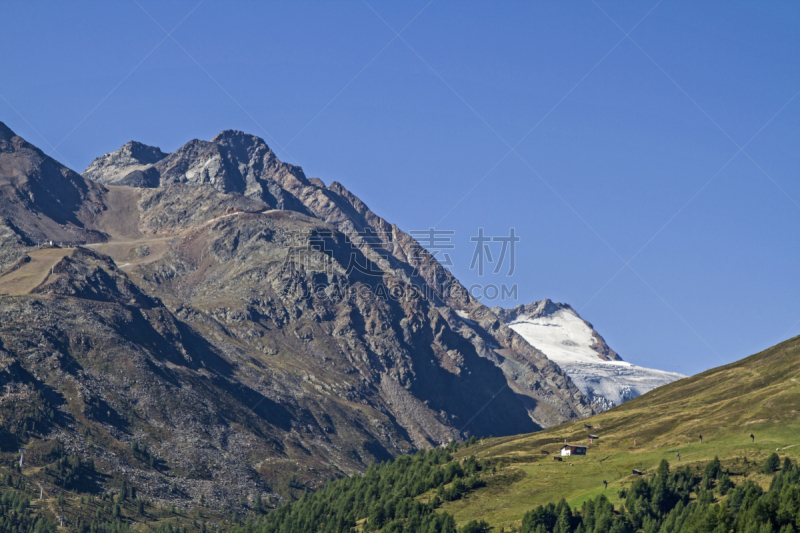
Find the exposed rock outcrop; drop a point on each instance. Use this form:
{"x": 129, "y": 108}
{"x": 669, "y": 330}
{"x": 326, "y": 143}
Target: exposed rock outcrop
{"x": 121, "y": 166}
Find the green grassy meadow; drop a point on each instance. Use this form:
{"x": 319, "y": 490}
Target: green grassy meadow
{"x": 759, "y": 395}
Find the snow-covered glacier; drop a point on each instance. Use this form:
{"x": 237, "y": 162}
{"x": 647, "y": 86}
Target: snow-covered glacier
{"x": 572, "y": 343}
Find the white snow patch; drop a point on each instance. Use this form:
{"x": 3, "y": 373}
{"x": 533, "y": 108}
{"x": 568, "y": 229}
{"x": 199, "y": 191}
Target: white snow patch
{"x": 566, "y": 340}
{"x": 562, "y": 336}
{"x": 463, "y": 316}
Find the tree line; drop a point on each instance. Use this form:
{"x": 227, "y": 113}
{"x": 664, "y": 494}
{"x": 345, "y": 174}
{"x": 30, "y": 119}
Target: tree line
{"x": 386, "y": 498}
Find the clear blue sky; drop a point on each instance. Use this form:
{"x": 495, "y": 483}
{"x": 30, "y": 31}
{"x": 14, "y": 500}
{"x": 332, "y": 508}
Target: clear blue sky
{"x": 620, "y": 144}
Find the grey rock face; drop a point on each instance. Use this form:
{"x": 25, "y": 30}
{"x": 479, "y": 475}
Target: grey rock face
{"x": 232, "y": 161}
{"x": 112, "y": 168}
{"x": 551, "y": 397}
{"x": 146, "y": 178}
{"x": 42, "y": 199}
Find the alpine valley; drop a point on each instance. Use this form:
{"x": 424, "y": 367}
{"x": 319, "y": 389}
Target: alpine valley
{"x": 211, "y": 328}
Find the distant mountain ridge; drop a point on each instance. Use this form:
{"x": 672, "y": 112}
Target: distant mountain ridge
{"x": 571, "y": 342}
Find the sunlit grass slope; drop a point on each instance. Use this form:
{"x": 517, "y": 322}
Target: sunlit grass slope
{"x": 759, "y": 395}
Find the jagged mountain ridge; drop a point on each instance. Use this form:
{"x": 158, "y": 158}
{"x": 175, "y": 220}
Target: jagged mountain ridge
{"x": 232, "y": 161}
{"x": 572, "y": 343}
{"x": 186, "y": 323}
{"x": 237, "y": 162}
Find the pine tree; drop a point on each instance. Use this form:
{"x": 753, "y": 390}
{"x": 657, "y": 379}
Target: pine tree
{"x": 771, "y": 464}
{"x": 563, "y": 525}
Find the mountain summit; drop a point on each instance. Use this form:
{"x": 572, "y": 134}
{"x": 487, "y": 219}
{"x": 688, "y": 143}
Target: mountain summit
{"x": 572, "y": 343}
{"x": 232, "y": 162}
{"x": 42, "y": 200}
{"x": 121, "y": 166}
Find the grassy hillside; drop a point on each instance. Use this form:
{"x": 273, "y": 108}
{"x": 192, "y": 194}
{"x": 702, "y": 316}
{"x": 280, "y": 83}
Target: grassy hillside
{"x": 759, "y": 395}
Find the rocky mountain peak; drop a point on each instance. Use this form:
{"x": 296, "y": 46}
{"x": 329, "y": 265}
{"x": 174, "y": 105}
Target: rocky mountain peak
{"x": 142, "y": 153}
{"x": 11, "y": 142}
{"x": 238, "y": 138}
{"x": 5, "y": 133}
{"x": 231, "y": 162}
{"x": 539, "y": 309}
{"x": 116, "y": 166}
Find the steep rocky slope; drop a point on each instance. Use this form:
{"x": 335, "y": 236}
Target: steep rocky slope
{"x": 572, "y": 343}
{"x": 213, "y": 316}
{"x": 41, "y": 199}
{"x": 237, "y": 162}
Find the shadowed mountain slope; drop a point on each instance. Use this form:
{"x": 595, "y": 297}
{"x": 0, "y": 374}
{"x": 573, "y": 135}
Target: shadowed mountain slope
{"x": 41, "y": 199}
